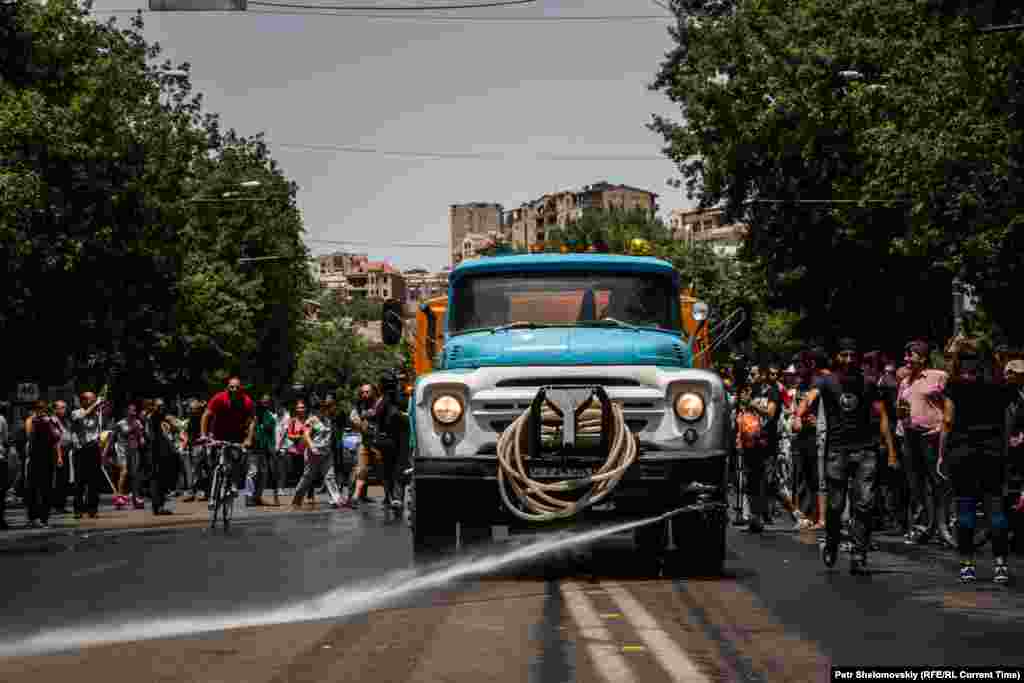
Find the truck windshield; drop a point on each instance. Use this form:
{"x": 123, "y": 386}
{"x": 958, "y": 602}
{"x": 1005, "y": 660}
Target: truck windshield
{"x": 565, "y": 299}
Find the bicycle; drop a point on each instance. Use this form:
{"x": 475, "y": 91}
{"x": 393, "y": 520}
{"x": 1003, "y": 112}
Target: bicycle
{"x": 222, "y": 493}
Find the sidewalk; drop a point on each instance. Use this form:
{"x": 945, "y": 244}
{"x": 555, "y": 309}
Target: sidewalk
{"x": 194, "y": 514}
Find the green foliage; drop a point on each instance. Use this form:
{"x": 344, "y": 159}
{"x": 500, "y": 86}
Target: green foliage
{"x": 614, "y": 227}
{"x": 768, "y": 120}
{"x": 336, "y": 356}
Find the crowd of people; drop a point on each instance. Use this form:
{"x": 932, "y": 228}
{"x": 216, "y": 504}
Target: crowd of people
{"x": 844, "y": 443}
{"x": 144, "y": 450}
{"x": 854, "y": 442}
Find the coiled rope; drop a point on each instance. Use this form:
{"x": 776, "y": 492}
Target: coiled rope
{"x": 536, "y": 499}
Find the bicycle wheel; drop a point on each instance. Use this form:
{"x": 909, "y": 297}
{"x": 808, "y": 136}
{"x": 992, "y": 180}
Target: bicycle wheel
{"x": 216, "y": 496}
{"x": 228, "y": 502}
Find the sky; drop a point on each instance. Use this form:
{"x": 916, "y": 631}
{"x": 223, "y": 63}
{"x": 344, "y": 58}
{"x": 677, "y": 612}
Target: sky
{"x": 516, "y": 90}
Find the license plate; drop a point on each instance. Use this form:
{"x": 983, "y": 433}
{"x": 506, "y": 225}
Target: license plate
{"x": 560, "y": 472}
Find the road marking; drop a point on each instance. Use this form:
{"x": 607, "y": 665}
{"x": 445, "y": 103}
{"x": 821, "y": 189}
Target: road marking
{"x": 98, "y": 568}
{"x": 673, "y": 660}
{"x": 601, "y": 648}
{"x": 613, "y": 615}
{"x": 633, "y": 648}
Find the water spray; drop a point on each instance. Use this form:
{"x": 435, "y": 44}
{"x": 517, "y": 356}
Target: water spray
{"x": 341, "y": 602}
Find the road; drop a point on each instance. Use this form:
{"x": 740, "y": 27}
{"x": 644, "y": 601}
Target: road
{"x": 336, "y": 596}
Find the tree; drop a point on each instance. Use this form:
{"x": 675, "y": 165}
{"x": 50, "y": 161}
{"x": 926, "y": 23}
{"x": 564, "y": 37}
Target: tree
{"x": 336, "y": 356}
{"x": 613, "y": 228}
{"x": 110, "y": 264}
{"x": 892, "y": 108}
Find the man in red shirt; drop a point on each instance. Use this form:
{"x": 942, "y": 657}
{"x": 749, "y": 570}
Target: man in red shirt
{"x": 233, "y": 413}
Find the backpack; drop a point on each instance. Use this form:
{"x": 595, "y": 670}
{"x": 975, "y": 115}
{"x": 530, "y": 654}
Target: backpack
{"x": 751, "y": 434}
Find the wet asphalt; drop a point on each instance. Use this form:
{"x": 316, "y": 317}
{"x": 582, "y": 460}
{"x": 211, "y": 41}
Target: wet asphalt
{"x": 910, "y": 611}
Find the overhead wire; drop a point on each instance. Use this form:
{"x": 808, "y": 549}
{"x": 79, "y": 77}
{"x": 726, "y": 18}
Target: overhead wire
{"x": 400, "y": 8}
{"x": 381, "y": 245}
{"x": 476, "y": 156}
{"x": 328, "y": 11}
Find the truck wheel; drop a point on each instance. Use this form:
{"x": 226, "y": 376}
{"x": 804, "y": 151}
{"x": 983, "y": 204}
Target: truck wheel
{"x": 433, "y": 527}
{"x": 700, "y": 547}
{"x": 651, "y": 541}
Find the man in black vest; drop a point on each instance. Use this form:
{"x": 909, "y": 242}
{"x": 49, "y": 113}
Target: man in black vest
{"x": 852, "y": 458}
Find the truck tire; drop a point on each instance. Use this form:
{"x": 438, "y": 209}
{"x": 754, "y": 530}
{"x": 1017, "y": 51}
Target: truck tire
{"x": 651, "y": 541}
{"x": 431, "y": 522}
{"x": 700, "y": 547}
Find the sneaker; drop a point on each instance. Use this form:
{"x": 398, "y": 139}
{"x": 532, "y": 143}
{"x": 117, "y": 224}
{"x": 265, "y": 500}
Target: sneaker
{"x": 968, "y": 573}
{"x": 139, "y": 504}
{"x": 829, "y": 554}
{"x": 1001, "y": 572}
{"x": 859, "y": 566}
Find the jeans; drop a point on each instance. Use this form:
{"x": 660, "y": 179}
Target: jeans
{"x": 978, "y": 475}
{"x": 40, "y": 485}
{"x": 277, "y": 470}
{"x": 5, "y": 482}
{"x": 88, "y": 478}
{"x": 805, "y": 475}
{"x": 929, "y": 493}
{"x": 855, "y": 473}
{"x": 137, "y": 471}
{"x": 200, "y": 467}
{"x": 755, "y": 473}
{"x": 185, "y": 468}
{"x": 256, "y": 476}
{"x": 314, "y": 466}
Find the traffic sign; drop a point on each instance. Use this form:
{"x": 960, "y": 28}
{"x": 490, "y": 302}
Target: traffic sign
{"x": 28, "y": 391}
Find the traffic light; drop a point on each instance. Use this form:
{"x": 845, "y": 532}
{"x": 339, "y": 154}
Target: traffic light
{"x": 391, "y": 322}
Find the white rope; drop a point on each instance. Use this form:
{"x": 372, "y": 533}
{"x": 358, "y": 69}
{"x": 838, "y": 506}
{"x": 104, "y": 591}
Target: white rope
{"x": 536, "y": 498}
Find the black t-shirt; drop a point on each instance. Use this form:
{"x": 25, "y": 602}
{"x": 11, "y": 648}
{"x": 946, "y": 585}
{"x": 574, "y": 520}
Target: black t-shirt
{"x": 848, "y": 401}
{"x": 978, "y": 413}
{"x": 761, "y": 394}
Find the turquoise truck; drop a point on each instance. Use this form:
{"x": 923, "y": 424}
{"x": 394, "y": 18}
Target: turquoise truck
{"x": 563, "y": 391}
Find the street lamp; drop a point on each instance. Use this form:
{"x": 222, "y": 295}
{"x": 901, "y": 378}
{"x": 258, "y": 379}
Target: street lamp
{"x": 230, "y": 193}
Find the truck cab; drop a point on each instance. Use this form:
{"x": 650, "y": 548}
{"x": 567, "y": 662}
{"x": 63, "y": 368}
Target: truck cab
{"x": 522, "y": 334}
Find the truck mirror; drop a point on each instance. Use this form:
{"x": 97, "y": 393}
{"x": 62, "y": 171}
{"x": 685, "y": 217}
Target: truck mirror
{"x": 700, "y": 311}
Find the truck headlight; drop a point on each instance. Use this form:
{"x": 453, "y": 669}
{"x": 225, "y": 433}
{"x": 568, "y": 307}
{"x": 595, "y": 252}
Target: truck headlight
{"x": 446, "y": 409}
{"x": 689, "y": 407}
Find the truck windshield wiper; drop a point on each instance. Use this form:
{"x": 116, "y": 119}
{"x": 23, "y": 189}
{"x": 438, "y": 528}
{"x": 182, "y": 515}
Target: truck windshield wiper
{"x": 518, "y": 325}
{"x": 610, "y": 321}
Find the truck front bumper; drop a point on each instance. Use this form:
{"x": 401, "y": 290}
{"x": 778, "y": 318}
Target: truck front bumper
{"x": 655, "y": 484}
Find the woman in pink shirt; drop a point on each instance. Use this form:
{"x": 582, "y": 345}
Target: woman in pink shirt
{"x": 925, "y": 415}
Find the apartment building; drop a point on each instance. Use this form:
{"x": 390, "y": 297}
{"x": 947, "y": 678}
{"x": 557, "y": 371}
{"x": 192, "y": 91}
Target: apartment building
{"x": 352, "y": 275}
{"x": 707, "y": 226}
{"x": 529, "y": 224}
{"x": 421, "y": 285}
{"x": 463, "y": 219}
{"x": 377, "y": 280}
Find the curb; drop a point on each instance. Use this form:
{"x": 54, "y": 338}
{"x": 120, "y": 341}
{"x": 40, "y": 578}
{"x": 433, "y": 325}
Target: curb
{"x": 18, "y": 541}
